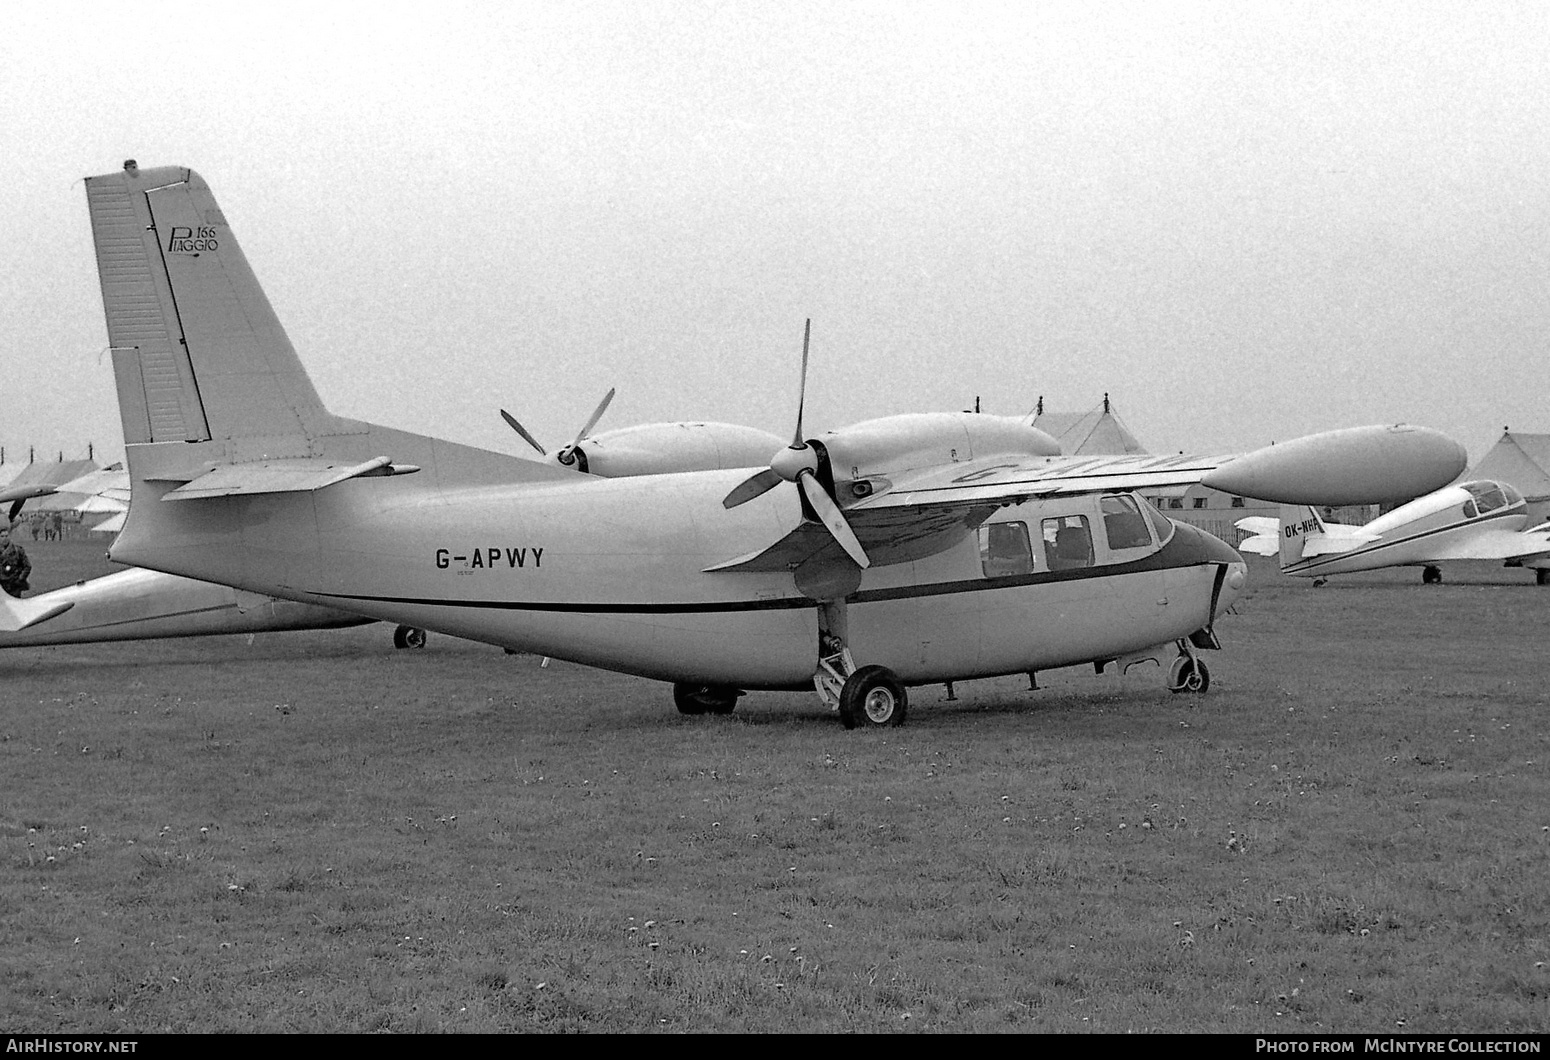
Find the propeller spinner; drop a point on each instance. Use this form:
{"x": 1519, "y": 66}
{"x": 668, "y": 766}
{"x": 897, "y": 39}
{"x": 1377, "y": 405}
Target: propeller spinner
{"x": 569, "y": 455}
{"x": 799, "y": 463}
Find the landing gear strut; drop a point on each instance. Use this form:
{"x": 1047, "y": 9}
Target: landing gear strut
{"x": 408, "y": 637}
{"x": 868, "y": 697}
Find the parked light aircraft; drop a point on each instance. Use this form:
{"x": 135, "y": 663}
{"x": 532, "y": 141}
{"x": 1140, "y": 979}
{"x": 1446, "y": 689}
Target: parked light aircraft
{"x": 1473, "y": 520}
{"x": 931, "y": 547}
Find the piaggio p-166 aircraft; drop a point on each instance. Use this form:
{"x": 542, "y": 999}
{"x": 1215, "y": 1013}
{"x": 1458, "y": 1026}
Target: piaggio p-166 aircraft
{"x": 928, "y": 547}
{"x": 1473, "y": 520}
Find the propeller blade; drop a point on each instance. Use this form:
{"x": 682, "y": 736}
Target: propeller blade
{"x": 756, "y": 485}
{"x": 596, "y": 415}
{"x": 832, "y": 518}
{"x": 807, "y": 331}
{"x": 511, "y": 421}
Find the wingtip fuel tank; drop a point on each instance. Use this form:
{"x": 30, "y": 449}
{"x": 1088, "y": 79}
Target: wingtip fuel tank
{"x": 1359, "y": 465}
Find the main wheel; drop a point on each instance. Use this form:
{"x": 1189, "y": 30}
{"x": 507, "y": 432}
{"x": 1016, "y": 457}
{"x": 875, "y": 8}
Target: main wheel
{"x": 705, "y": 699}
{"x": 873, "y": 696}
{"x": 408, "y": 637}
{"x": 1431, "y": 576}
{"x": 1541, "y": 576}
{"x": 1189, "y": 675}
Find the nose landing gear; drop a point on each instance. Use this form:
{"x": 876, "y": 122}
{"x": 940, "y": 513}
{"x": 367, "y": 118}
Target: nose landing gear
{"x": 1188, "y": 672}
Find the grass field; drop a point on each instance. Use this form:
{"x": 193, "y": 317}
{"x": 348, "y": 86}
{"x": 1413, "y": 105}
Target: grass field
{"x": 311, "y": 831}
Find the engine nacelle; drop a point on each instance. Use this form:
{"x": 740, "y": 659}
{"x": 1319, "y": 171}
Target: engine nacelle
{"x": 895, "y": 444}
{"x": 666, "y": 448}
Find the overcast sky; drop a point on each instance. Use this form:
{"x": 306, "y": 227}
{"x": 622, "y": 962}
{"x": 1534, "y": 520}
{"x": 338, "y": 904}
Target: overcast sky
{"x": 1243, "y": 221}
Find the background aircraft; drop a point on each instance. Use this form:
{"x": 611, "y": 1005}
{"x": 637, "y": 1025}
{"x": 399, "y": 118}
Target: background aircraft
{"x": 1473, "y": 520}
{"x": 862, "y": 543}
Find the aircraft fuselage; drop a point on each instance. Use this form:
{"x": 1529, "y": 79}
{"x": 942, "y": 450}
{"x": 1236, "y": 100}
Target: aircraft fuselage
{"x": 611, "y": 573}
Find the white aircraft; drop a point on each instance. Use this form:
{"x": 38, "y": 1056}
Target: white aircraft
{"x": 1473, "y": 520}
{"x": 931, "y": 547}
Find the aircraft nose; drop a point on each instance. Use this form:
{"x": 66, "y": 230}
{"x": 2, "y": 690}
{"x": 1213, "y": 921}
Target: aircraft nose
{"x": 1237, "y": 578}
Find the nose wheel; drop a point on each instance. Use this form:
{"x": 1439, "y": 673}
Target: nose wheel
{"x": 1188, "y": 673}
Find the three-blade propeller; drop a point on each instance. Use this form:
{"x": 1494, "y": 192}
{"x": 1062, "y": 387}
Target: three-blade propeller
{"x": 566, "y": 456}
{"x": 798, "y": 463}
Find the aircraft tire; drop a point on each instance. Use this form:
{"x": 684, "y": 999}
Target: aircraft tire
{"x": 705, "y": 699}
{"x": 1431, "y": 576}
{"x": 408, "y": 637}
{"x": 873, "y": 697}
{"x": 1541, "y": 576}
{"x": 1189, "y": 675}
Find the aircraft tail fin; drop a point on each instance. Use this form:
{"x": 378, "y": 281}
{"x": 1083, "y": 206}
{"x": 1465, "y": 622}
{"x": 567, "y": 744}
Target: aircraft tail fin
{"x": 1301, "y": 525}
{"x": 198, "y": 353}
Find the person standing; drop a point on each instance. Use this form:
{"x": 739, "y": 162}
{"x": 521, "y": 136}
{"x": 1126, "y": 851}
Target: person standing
{"x": 14, "y": 565}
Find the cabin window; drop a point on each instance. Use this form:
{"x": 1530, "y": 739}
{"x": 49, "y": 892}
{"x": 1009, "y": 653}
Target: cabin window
{"x": 1175, "y": 502}
{"x": 1123, "y": 523}
{"x": 1068, "y": 542}
{"x": 1005, "y": 549}
{"x": 1237, "y": 502}
{"x": 1200, "y": 502}
{"x": 1470, "y": 511}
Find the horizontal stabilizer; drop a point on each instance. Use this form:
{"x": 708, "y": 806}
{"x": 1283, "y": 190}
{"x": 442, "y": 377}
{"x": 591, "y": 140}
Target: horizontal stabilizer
{"x": 1259, "y": 524}
{"x": 1261, "y": 544}
{"x": 25, "y": 493}
{"x": 281, "y": 476}
{"x": 17, "y": 615}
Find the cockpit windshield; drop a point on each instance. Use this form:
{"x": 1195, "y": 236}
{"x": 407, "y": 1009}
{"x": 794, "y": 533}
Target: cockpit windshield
{"x": 1489, "y": 496}
{"x": 1162, "y": 526}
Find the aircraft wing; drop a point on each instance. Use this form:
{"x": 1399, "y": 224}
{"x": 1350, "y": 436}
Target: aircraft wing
{"x": 889, "y": 535}
{"x": 920, "y": 512}
{"x": 1499, "y": 544}
{"x": 1359, "y": 465}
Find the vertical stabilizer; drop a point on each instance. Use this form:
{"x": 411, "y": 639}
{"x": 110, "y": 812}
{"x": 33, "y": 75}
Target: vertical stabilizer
{"x": 1299, "y": 525}
{"x": 198, "y": 353}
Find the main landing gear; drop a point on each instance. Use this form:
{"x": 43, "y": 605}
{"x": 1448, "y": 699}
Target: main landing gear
{"x": 1431, "y": 576}
{"x": 408, "y": 637}
{"x": 705, "y": 699}
{"x": 868, "y": 697}
{"x": 1188, "y": 672}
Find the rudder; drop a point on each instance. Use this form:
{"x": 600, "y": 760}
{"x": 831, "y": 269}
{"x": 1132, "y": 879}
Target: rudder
{"x": 198, "y": 353}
